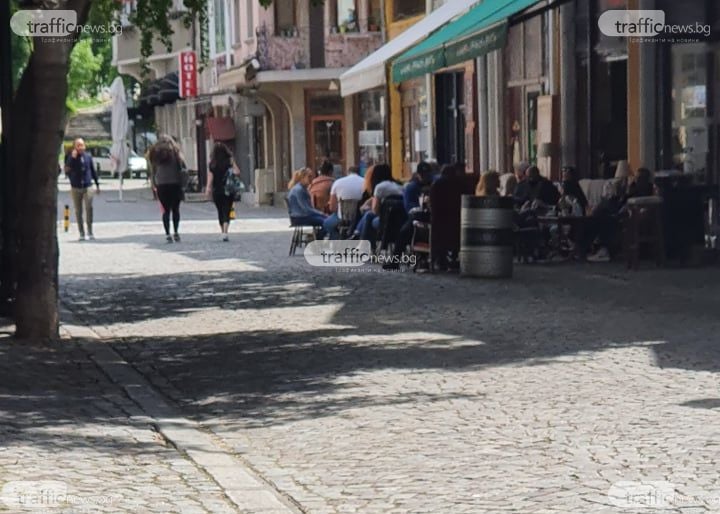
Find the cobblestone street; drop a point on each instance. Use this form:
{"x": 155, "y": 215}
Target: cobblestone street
{"x": 367, "y": 391}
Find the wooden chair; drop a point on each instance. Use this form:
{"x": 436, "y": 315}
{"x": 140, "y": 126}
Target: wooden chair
{"x": 644, "y": 226}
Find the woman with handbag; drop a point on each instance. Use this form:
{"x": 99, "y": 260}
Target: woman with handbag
{"x": 168, "y": 170}
{"x": 222, "y": 176}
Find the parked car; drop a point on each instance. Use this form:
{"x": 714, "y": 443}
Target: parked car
{"x": 101, "y": 158}
{"x": 137, "y": 165}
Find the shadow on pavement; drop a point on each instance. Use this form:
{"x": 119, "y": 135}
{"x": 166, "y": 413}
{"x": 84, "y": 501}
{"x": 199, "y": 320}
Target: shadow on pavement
{"x": 275, "y": 362}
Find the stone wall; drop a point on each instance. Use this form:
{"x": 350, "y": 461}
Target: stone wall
{"x": 344, "y": 50}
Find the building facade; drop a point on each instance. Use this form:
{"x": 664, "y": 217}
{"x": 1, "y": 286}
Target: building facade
{"x": 270, "y": 90}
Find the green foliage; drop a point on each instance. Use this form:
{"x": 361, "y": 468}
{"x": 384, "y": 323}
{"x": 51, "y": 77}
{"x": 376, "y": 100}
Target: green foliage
{"x": 21, "y": 50}
{"x": 84, "y": 66}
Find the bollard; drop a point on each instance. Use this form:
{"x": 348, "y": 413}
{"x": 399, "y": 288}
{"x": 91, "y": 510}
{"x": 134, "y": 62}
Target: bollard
{"x": 66, "y": 218}
{"x": 232, "y": 212}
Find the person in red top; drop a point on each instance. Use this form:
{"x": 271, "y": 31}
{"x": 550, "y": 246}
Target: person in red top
{"x": 320, "y": 187}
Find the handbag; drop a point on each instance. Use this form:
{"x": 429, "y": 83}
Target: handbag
{"x": 234, "y": 187}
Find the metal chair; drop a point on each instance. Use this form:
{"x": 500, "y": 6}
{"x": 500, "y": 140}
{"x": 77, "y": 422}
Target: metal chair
{"x": 644, "y": 227}
{"x": 348, "y": 213}
{"x": 298, "y": 236}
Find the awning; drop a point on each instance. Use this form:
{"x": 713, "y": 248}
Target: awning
{"x": 482, "y": 30}
{"x": 220, "y": 129}
{"x": 370, "y": 72}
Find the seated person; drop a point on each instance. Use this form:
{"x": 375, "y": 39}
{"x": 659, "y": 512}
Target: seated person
{"x": 349, "y": 187}
{"x": 642, "y": 184}
{"x": 604, "y": 222}
{"x": 489, "y": 184}
{"x": 422, "y": 178}
{"x": 571, "y": 190}
{"x": 320, "y": 187}
{"x": 535, "y": 191}
{"x": 300, "y": 206}
{"x": 369, "y": 224}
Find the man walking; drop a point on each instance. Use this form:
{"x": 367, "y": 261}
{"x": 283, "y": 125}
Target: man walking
{"x": 80, "y": 169}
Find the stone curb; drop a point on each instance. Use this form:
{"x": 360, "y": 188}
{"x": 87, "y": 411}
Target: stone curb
{"x": 244, "y": 488}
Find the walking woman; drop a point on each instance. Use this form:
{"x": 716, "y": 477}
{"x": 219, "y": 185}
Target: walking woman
{"x": 221, "y": 161}
{"x": 167, "y": 166}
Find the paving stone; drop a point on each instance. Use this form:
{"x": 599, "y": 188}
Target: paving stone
{"x": 428, "y": 393}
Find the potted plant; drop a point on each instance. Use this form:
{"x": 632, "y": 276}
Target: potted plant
{"x": 343, "y": 28}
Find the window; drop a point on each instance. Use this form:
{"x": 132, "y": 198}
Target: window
{"x": 347, "y": 16}
{"x": 284, "y": 17}
{"x": 220, "y": 41}
{"x": 403, "y": 9}
{"x": 375, "y": 15}
{"x": 249, "y": 19}
{"x": 237, "y": 21}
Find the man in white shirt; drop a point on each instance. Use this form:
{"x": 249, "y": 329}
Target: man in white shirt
{"x": 349, "y": 187}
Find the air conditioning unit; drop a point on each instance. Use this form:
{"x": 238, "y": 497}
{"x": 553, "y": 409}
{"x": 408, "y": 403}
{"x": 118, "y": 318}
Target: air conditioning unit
{"x": 264, "y": 185}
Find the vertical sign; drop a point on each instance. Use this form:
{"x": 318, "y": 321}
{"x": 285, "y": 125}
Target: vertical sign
{"x": 188, "y": 74}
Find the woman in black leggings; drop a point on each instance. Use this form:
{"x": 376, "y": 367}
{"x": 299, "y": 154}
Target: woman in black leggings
{"x": 166, "y": 164}
{"x": 221, "y": 162}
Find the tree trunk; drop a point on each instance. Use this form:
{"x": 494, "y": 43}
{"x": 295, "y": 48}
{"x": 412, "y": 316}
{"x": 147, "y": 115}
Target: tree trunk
{"x": 38, "y": 117}
{"x": 7, "y": 188}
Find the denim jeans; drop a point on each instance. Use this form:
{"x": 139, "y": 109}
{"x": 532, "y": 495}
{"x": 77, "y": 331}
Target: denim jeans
{"x": 331, "y": 225}
{"x": 315, "y": 220}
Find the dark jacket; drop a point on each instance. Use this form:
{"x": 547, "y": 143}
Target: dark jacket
{"x": 542, "y": 190}
{"x": 81, "y": 171}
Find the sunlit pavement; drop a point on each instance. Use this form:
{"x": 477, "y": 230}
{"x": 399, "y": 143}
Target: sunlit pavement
{"x": 566, "y": 389}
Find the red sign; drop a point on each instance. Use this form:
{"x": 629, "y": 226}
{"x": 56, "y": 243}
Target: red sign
{"x": 188, "y": 74}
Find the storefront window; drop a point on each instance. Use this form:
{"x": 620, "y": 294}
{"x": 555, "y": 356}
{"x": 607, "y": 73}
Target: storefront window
{"x": 690, "y": 117}
{"x": 371, "y": 135}
{"x": 415, "y": 122}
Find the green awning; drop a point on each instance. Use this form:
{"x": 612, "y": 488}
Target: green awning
{"x": 481, "y": 30}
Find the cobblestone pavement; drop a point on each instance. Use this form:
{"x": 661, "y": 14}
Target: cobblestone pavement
{"x": 397, "y": 392}
{"x": 71, "y": 442}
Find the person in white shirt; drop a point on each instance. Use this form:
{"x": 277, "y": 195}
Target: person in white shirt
{"x": 349, "y": 187}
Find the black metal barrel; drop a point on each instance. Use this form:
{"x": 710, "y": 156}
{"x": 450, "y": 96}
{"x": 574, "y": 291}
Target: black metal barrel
{"x": 486, "y": 236}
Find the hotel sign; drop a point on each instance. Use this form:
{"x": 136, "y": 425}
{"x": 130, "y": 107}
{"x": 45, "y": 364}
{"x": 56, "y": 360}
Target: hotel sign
{"x": 187, "y": 82}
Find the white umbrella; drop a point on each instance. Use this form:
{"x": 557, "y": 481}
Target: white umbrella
{"x": 119, "y": 152}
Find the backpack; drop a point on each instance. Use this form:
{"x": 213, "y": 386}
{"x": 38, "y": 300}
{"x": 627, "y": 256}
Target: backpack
{"x": 234, "y": 187}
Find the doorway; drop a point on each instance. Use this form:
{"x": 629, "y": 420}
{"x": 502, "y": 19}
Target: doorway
{"x": 327, "y": 140}
{"x": 450, "y": 117}
{"x": 610, "y": 111}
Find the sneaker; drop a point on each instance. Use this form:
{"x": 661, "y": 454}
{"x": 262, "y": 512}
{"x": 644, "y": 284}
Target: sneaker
{"x": 168, "y": 239}
{"x": 82, "y": 237}
{"x": 602, "y": 255}
{"x": 91, "y": 237}
{"x": 176, "y": 237}
{"x": 226, "y": 238}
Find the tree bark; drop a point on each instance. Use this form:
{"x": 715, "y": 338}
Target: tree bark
{"x": 7, "y": 195}
{"x": 38, "y": 123}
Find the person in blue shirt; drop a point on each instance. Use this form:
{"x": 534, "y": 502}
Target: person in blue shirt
{"x": 300, "y": 206}
{"x": 421, "y": 179}
{"x": 80, "y": 169}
